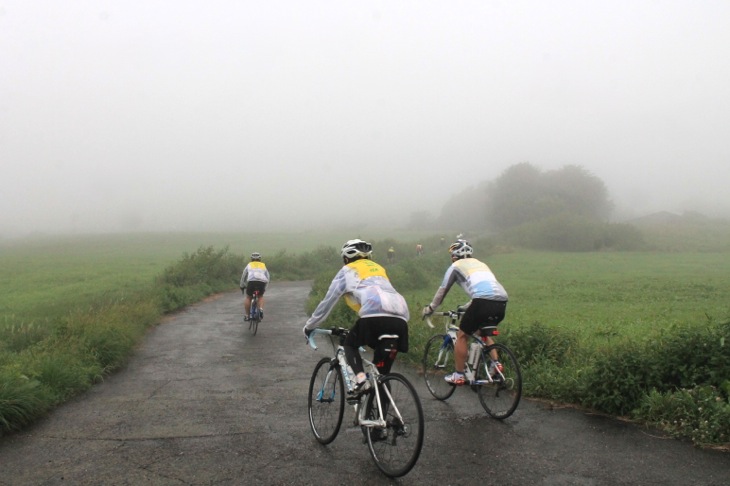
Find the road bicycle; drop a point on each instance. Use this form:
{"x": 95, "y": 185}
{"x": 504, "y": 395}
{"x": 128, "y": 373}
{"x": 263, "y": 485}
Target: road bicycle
{"x": 254, "y": 316}
{"x": 499, "y": 387}
{"x": 389, "y": 412}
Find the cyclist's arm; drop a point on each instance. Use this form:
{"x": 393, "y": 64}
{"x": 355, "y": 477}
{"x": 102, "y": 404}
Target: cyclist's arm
{"x": 449, "y": 280}
{"x": 336, "y": 290}
{"x": 244, "y": 278}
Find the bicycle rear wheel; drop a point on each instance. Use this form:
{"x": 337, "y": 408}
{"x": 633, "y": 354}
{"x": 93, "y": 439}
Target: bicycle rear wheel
{"x": 438, "y": 361}
{"x": 253, "y": 316}
{"x": 500, "y": 397}
{"x": 396, "y": 448}
{"x": 326, "y": 401}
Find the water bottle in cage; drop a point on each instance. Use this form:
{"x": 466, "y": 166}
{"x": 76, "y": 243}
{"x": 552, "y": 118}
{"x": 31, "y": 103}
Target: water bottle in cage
{"x": 474, "y": 349}
{"x": 346, "y": 369}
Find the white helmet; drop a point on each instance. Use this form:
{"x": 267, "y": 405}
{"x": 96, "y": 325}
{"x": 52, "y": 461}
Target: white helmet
{"x": 256, "y": 256}
{"x": 461, "y": 249}
{"x": 357, "y": 248}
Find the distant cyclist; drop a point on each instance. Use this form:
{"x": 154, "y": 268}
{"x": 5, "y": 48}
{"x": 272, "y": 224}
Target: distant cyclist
{"x": 487, "y": 306}
{"x": 382, "y": 310}
{"x": 255, "y": 277}
{"x": 391, "y": 255}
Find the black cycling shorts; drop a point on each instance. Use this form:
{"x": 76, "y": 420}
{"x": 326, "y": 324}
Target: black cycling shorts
{"x": 482, "y": 312}
{"x": 367, "y": 330}
{"x": 255, "y": 285}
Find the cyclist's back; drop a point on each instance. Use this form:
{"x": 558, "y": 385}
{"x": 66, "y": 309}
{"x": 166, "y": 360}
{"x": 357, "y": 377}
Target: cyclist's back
{"x": 367, "y": 290}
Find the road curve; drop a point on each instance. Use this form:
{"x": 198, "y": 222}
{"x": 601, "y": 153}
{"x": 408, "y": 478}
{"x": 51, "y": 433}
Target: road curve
{"x": 202, "y": 402}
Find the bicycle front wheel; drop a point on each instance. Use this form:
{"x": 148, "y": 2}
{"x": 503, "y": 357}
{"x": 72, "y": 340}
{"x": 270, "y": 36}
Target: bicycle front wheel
{"x": 438, "y": 361}
{"x": 395, "y": 449}
{"x": 326, "y": 401}
{"x": 501, "y": 396}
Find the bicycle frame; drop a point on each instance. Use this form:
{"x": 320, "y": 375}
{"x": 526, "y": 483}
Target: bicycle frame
{"x": 373, "y": 376}
{"x": 394, "y": 434}
{"x": 253, "y": 310}
{"x": 451, "y": 328}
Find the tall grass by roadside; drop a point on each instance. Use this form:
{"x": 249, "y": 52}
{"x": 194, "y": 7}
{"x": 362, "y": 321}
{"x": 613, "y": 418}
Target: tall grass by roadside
{"x": 88, "y": 323}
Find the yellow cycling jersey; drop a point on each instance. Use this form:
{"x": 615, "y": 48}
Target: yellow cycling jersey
{"x": 363, "y": 269}
{"x": 254, "y": 272}
{"x": 366, "y": 289}
{"x": 367, "y": 268}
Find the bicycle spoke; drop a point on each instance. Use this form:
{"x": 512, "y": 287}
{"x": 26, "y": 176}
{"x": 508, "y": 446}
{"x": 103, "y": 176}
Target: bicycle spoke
{"x": 395, "y": 449}
{"x": 499, "y": 392}
{"x": 438, "y": 361}
{"x": 326, "y": 401}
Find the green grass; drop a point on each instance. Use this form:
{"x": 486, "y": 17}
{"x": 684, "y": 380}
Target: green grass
{"x": 597, "y": 297}
{"x": 44, "y": 277}
{"x": 604, "y": 294}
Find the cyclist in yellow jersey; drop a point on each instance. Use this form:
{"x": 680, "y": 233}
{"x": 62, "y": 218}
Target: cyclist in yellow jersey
{"x": 381, "y": 309}
{"x": 255, "y": 277}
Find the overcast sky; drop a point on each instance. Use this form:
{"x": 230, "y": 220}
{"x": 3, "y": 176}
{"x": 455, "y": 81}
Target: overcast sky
{"x": 194, "y": 115}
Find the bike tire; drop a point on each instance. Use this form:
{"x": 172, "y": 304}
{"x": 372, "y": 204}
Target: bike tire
{"x": 438, "y": 361}
{"x": 253, "y": 317}
{"x": 396, "y": 448}
{"x": 326, "y": 402}
{"x": 501, "y": 397}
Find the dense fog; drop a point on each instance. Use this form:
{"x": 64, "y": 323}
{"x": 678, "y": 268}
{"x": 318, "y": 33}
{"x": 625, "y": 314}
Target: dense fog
{"x": 239, "y": 115}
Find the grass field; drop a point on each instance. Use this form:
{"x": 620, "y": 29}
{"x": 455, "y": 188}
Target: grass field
{"x": 593, "y": 293}
{"x": 43, "y": 277}
{"x": 615, "y": 293}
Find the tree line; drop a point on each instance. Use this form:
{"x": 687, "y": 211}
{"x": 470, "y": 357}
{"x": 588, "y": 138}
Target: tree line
{"x": 565, "y": 209}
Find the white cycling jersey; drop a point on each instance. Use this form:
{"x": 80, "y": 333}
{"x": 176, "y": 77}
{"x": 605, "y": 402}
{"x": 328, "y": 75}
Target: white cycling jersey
{"x": 475, "y": 277}
{"x": 366, "y": 289}
{"x": 254, "y": 272}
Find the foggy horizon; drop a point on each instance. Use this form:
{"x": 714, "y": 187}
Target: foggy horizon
{"x": 228, "y": 116}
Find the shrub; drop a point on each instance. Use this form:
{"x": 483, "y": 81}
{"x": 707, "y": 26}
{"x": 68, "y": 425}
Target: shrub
{"x": 205, "y": 266}
{"x": 701, "y": 413}
{"x": 538, "y": 343}
{"x": 618, "y": 378}
{"x": 22, "y": 400}
{"x": 16, "y": 337}
{"x": 62, "y": 371}
{"x": 693, "y": 355}
{"x": 567, "y": 232}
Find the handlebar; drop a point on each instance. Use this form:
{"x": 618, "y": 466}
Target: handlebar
{"x": 335, "y": 331}
{"x": 454, "y": 315}
{"x": 451, "y": 314}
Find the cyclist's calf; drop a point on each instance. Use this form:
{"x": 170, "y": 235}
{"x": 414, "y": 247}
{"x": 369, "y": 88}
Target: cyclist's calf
{"x": 385, "y": 352}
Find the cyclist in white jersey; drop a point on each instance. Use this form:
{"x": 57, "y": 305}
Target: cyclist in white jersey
{"x": 487, "y": 305}
{"x": 255, "y": 277}
{"x": 381, "y": 309}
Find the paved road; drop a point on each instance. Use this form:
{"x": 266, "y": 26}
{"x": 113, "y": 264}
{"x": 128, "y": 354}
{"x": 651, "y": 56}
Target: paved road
{"x": 203, "y": 402}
